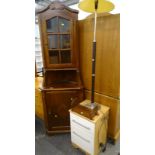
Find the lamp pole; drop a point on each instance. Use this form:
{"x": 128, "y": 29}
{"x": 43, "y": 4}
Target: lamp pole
{"x": 94, "y": 58}
{"x": 95, "y": 6}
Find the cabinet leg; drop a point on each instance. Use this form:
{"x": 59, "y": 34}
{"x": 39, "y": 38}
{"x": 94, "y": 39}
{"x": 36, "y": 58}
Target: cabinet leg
{"x": 75, "y": 146}
{"x": 104, "y": 149}
{"x": 111, "y": 141}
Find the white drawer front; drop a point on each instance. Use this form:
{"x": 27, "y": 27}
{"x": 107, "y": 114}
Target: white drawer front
{"x": 81, "y": 123}
{"x": 82, "y": 142}
{"x": 86, "y": 135}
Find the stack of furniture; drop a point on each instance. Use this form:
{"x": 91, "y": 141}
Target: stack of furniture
{"x": 107, "y": 85}
{"x": 62, "y": 88}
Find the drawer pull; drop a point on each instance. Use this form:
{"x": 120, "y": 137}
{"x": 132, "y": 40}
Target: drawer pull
{"x": 81, "y": 137}
{"x": 55, "y": 116}
{"x": 80, "y": 124}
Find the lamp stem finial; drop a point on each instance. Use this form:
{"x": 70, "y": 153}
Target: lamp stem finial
{"x": 96, "y": 4}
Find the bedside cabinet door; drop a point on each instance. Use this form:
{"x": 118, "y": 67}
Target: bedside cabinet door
{"x": 58, "y": 104}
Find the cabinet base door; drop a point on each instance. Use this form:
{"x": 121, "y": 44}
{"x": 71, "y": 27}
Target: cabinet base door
{"x": 57, "y": 105}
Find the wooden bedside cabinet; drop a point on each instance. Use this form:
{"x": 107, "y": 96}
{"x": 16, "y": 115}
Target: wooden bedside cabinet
{"x": 89, "y": 135}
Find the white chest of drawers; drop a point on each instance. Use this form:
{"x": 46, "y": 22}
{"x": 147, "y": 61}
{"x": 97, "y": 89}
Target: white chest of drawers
{"x": 89, "y": 134}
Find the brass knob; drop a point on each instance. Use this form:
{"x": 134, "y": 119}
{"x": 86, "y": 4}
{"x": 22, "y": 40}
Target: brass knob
{"x": 71, "y": 101}
{"x": 55, "y": 116}
{"x": 81, "y": 113}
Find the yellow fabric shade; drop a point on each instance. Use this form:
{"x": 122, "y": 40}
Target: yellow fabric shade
{"x": 89, "y": 6}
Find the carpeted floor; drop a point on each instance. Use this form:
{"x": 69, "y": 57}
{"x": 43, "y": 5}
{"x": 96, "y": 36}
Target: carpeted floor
{"x": 60, "y": 144}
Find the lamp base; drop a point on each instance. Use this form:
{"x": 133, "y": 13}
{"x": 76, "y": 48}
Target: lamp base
{"x": 86, "y": 109}
{"x": 91, "y": 105}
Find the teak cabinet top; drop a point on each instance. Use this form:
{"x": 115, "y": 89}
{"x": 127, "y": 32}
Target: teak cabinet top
{"x": 58, "y": 27}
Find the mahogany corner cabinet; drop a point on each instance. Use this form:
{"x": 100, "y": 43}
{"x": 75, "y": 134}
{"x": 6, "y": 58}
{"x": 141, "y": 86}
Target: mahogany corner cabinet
{"x": 62, "y": 87}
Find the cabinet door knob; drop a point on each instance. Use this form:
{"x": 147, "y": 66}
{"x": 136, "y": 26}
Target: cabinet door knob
{"x": 55, "y": 116}
{"x": 73, "y": 100}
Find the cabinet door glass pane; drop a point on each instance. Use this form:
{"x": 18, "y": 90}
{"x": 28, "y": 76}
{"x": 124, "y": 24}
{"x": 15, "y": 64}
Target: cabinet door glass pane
{"x": 64, "y": 25}
{"x": 53, "y": 41}
{"x": 66, "y": 56}
{"x": 52, "y": 25}
{"x": 54, "y": 57}
{"x": 64, "y": 41}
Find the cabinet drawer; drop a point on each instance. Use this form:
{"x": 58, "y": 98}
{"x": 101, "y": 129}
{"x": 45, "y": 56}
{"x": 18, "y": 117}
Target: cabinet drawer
{"x": 82, "y": 124}
{"x": 79, "y": 126}
{"x": 83, "y": 133}
{"x": 82, "y": 141}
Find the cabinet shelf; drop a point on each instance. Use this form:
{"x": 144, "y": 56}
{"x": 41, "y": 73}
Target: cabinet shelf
{"x": 59, "y": 49}
{"x": 38, "y": 55}
{"x": 38, "y": 61}
{"x": 60, "y": 88}
{"x": 59, "y": 69}
{"x": 58, "y": 33}
{"x": 64, "y": 86}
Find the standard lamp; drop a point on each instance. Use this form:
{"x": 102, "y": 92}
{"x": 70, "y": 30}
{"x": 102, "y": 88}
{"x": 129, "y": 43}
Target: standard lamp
{"x": 95, "y": 6}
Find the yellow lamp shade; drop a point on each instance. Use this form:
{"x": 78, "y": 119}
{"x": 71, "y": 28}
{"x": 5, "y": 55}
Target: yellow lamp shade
{"x": 89, "y": 6}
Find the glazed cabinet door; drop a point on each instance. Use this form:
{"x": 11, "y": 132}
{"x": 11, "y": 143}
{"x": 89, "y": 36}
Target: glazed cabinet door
{"x": 58, "y": 104}
{"x": 58, "y": 40}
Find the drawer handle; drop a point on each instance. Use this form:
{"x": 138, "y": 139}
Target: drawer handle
{"x": 55, "y": 116}
{"x": 80, "y": 124}
{"x": 81, "y": 137}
